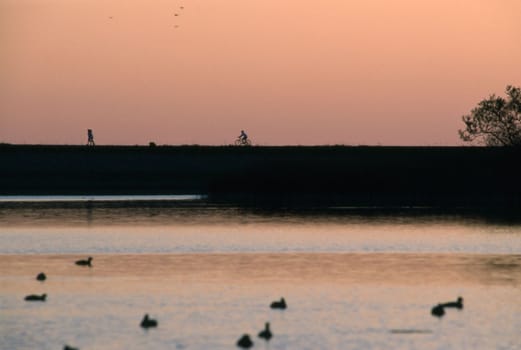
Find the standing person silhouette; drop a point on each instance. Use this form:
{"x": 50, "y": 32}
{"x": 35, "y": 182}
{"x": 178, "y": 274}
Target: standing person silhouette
{"x": 90, "y": 137}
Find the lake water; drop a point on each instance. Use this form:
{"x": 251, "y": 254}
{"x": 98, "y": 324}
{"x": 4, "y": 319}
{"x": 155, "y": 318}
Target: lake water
{"x": 353, "y": 278}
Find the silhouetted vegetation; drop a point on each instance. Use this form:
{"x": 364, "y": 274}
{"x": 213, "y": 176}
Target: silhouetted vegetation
{"x": 496, "y": 121}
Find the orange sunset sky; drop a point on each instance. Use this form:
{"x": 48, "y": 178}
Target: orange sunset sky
{"x": 398, "y": 72}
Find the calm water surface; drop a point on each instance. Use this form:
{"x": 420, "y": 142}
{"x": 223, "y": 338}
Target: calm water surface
{"x": 352, "y": 279}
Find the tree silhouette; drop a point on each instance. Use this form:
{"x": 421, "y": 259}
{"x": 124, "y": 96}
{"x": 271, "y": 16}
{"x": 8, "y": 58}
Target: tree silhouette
{"x": 496, "y": 121}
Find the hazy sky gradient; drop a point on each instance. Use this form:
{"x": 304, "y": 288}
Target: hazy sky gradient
{"x": 384, "y": 72}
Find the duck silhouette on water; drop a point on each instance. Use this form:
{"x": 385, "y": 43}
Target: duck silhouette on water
{"x": 458, "y": 304}
{"x": 266, "y": 333}
{"x": 439, "y": 310}
{"x": 35, "y": 297}
{"x": 148, "y": 322}
{"x": 85, "y": 262}
{"x": 67, "y": 347}
{"x": 279, "y": 304}
{"x": 41, "y": 277}
{"x": 245, "y": 342}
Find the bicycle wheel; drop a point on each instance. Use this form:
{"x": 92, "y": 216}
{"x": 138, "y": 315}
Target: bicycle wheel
{"x": 238, "y": 142}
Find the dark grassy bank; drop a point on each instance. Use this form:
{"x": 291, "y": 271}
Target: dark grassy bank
{"x": 382, "y": 176}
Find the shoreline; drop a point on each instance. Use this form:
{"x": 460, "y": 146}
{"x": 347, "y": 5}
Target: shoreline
{"x": 443, "y": 177}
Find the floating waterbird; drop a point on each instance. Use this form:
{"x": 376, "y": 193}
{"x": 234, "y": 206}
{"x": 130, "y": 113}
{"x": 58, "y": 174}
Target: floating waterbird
{"x": 457, "y": 304}
{"x": 148, "y": 322}
{"x": 245, "y": 342}
{"x": 67, "y": 347}
{"x": 84, "y": 262}
{"x": 279, "y": 304}
{"x": 266, "y": 333}
{"x": 438, "y": 311}
{"x": 34, "y": 297}
{"x": 41, "y": 277}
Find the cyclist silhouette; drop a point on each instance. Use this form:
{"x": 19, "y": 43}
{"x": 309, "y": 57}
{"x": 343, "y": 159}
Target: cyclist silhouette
{"x": 242, "y": 140}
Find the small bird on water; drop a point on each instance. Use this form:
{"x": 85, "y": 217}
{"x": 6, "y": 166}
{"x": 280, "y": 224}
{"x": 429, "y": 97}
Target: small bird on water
{"x": 41, "y": 277}
{"x": 266, "y": 333}
{"x": 279, "y": 304}
{"x": 34, "y": 297}
{"x": 85, "y": 262}
{"x": 67, "y": 347}
{"x": 148, "y": 322}
{"x": 438, "y": 311}
{"x": 457, "y": 304}
{"x": 245, "y": 342}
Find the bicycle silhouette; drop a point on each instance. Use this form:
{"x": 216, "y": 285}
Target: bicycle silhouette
{"x": 242, "y": 142}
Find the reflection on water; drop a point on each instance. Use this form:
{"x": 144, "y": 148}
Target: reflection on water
{"x": 281, "y": 268}
{"x": 149, "y": 210}
{"x": 353, "y": 278}
{"x": 159, "y": 228}
{"x": 99, "y": 198}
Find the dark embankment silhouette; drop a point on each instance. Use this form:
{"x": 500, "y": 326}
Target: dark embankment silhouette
{"x": 360, "y": 176}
